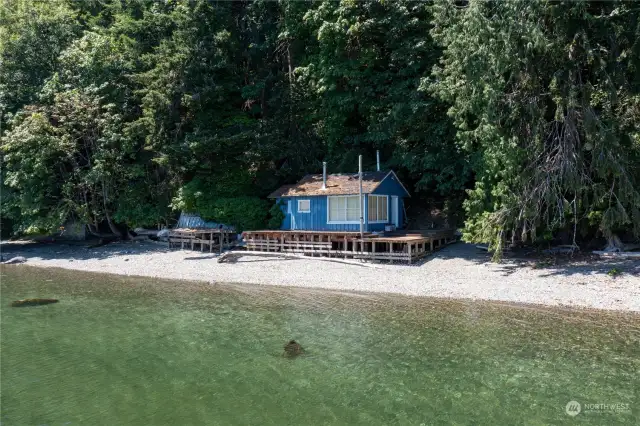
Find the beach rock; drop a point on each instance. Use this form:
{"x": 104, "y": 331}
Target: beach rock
{"x": 17, "y": 259}
{"x": 147, "y": 232}
{"x": 163, "y": 235}
{"x": 32, "y": 302}
{"x": 292, "y": 348}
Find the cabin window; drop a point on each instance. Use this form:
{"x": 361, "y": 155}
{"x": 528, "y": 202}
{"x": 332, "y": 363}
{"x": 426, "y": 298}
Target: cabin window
{"x": 304, "y": 206}
{"x": 344, "y": 209}
{"x": 378, "y": 210}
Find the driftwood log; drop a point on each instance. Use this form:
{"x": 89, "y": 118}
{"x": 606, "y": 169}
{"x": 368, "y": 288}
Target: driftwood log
{"x": 32, "y": 302}
{"x": 13, "y": 260}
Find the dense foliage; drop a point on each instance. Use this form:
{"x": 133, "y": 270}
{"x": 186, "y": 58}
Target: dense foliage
{"x": 123, "y": 112}
{"x": 547, "y": 94}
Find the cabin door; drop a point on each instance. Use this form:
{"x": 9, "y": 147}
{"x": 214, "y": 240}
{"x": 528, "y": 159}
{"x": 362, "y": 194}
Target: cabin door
{"x": 395, "y": 210}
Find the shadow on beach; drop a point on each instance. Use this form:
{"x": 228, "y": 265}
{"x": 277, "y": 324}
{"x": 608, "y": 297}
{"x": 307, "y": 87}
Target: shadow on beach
{"x": 549, "y": 265}
{"x": 78, "y": 250}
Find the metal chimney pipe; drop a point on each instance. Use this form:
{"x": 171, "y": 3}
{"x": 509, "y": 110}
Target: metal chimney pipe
{"x": 378, "y": 160}
{"x": 324, "y": 175}
{"x": 361, "y": 199}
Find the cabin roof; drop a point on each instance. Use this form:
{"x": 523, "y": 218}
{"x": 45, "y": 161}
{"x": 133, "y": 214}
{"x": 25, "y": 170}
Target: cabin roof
{"x": 337, "y": 184}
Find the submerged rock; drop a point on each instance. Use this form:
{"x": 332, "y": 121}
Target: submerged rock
{"x": 292, "y": 348}
{"x": 32, "y": 302}
{"x": 17, "y": 259}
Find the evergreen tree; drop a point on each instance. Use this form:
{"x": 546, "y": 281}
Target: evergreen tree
{"x": 123, "y": 112}
{"x": 546, "y": 94}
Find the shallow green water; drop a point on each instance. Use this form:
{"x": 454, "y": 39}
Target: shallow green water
{"x": 134, "y": 351}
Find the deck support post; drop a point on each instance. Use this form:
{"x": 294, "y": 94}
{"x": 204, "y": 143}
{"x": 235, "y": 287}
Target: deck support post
{"x": 345, "y": 246}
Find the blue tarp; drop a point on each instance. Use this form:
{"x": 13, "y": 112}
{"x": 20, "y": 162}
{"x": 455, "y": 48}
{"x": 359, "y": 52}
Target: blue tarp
{"x": 193, "y": 220}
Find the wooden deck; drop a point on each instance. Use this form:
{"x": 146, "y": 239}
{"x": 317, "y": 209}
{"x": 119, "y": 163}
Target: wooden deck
{"x": 407, "y": 246}
{"x": 194, "y": 238}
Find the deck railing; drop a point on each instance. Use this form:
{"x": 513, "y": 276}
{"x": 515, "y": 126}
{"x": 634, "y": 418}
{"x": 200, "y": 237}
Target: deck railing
{"x": 398, "y": 246}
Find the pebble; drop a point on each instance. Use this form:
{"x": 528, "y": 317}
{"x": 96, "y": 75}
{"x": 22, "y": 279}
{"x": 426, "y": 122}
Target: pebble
{"x": 457, "y": 271}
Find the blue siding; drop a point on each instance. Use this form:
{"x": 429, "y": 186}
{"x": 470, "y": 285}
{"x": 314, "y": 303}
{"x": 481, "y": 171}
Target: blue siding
{"x": 390, "y": 186}
{"x": 286, "y": 222}
{"x": 316, "y": 219}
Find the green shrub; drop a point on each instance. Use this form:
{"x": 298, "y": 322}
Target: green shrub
{"x": 244, "y": 212}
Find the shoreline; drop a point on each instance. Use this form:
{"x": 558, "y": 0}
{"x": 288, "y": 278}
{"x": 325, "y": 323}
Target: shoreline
{"x": 458, "y": 271}
{"x": 365, "y": 294}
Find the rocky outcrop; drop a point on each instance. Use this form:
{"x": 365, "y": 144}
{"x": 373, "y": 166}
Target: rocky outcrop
{"x": 292, "y": 348}
{"x": 32, "y": 302}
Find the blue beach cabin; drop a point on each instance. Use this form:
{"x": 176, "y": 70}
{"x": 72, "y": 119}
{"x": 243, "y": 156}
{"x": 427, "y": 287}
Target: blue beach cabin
{"x": 332, "y": 204}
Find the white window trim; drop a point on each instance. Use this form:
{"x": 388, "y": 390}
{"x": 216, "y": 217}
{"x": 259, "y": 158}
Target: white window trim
{"x": 387, "y": 201}
{"x": 342, "y": 222}
{"x": 304, "y": 211}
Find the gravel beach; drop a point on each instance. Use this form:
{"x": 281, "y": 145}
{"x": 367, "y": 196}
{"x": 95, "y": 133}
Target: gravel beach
{"x": 457, "y": 271}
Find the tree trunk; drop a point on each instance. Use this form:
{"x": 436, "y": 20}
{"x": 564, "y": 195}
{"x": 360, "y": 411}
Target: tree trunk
{"x": 112, "y": 225}
{"x": 614, "y": 244}
{"x": 93, "y": 230}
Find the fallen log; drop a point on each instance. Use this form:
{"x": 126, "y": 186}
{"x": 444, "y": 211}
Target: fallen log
{"x": 32, "y": 302}
{"x": 627, "y": 254}
{"x": 150, "y": 232}
{"x": 14, "y": 260}
{"x": 562, "y": 249}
